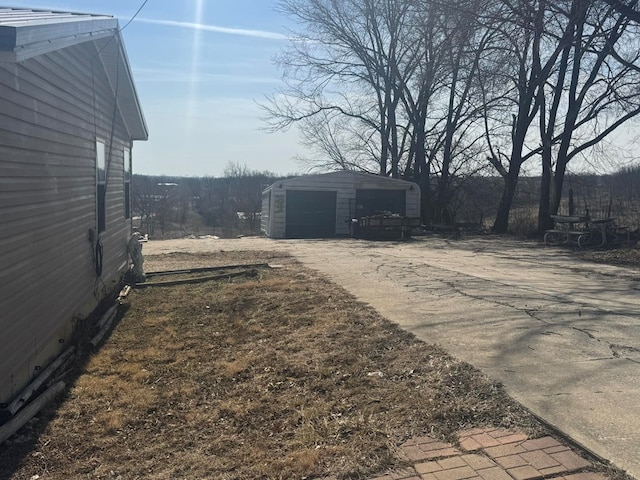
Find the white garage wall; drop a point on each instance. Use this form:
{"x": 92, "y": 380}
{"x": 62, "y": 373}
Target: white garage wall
{"x": 345, "y": 183}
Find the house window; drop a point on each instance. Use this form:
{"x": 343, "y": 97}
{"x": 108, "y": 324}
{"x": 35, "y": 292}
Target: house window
{"x": 127, "y": 183}
{"x": 101, "y": 186}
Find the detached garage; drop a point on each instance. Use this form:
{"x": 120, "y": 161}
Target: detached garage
{"x": 320, "y": 206}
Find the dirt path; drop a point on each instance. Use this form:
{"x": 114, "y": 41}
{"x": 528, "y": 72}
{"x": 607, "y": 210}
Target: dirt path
{"x": 562, "y": 335}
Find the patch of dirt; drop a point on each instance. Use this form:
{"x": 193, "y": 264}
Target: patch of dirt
{"x": 181, "y": 261}
{"x": 625, "y": 257}
{"x": 280, "y": 376}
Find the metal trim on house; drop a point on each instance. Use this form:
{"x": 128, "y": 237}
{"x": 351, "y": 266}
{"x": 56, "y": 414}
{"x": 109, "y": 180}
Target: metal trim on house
{"x": 27, "y": 33}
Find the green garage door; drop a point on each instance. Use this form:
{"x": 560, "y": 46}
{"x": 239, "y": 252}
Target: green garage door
{"x": 311, "y": 214}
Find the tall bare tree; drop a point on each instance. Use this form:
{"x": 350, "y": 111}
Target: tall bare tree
{"x": 526, "y": 63}
{"x": 363, "y": 79}
{"x": 346, "y": 59}
{"x": 454, "y": 136}
{"x": 592, "y": 94}
{"x": 566, "y": 77}
{"x": 421, "y": 88}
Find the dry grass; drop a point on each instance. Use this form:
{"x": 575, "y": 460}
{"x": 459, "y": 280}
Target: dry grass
{"x": 624, "y": 256}
{"x": 277, "y": 377}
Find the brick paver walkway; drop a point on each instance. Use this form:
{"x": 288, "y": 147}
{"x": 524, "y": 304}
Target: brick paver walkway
{"x": 492, "y": 454}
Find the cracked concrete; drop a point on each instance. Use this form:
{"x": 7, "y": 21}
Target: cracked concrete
{"x": 562, "y": 335}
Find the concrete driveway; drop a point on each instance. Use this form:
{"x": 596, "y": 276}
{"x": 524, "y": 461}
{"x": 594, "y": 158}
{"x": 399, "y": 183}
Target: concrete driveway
{"x": 562, "y": 335}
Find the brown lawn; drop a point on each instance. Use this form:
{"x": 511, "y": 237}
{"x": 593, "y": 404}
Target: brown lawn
{"x": 278, "y": 376}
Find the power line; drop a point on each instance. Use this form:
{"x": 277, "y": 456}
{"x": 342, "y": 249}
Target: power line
{"x": 125, "y": 26}
{"x": 135, "y": 15}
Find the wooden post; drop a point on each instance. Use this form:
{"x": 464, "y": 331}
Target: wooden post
{"x": 26, "y": 394}
{"x": 108, "y": 316}
{"x": 17, "y": 422}
{"x": 104, "y": 324}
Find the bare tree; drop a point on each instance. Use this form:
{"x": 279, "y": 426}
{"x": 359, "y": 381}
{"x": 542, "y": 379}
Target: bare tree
{"x": 244, "y": 191}
{"x": 348, "y": 59}
{"x": 595, "y": 88}
{"x": 626, "y": 8}
{"x": 339, "y": 142}
{"x": 518, "y": 64}
{"x": 566, "y": 79}
{"x": 385, "y": 84}
{"x": 420, "y": 88}
{"x": 144, "y": 201}
{"x": 454, "y": 134}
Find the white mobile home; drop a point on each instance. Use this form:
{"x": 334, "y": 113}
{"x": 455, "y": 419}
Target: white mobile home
{"x": 69, "y": 116}
{"x": 317, "y": 206}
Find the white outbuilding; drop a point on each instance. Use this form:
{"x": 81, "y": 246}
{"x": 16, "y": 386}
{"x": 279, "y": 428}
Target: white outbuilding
{"x": 321, "y": 206}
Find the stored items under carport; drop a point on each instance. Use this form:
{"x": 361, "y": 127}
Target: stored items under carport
{"x": 387, "y": 226}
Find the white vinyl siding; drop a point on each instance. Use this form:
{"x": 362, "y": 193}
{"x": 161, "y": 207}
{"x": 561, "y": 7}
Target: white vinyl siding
{"x": 52, "y": 111}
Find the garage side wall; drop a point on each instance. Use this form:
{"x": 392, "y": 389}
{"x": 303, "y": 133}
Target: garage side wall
{"x": 265, "y": 216}
{"x": 52, "y": 110}
{"x": 277, "y": 225}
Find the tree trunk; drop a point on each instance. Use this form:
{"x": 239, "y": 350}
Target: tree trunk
{"x": 442, "y": 215}
{"x": 443, "y": 212}
{"x": 426, "y": 200}
{"x": 384, "y": 153}
{"x": 558, "y": 182}
{"x": 395, "y": 153}
{"x": 544, "y": 218}
{"x": 501, "y": 223}
{"x": 422, "y": 174}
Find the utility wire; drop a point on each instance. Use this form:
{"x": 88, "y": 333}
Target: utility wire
{"x": 98, "y": 250}
{"x": 134, "y": 15}
{"x": 125, "y": 26}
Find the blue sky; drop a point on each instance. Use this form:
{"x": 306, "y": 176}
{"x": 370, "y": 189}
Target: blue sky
{"x": 199, "y": 67}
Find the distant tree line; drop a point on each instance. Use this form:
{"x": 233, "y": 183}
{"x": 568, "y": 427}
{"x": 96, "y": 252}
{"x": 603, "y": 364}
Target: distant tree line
{"x": 176, "y": 206}
{"x": 231, "y": 205}
{"x": 445, "y": 92}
